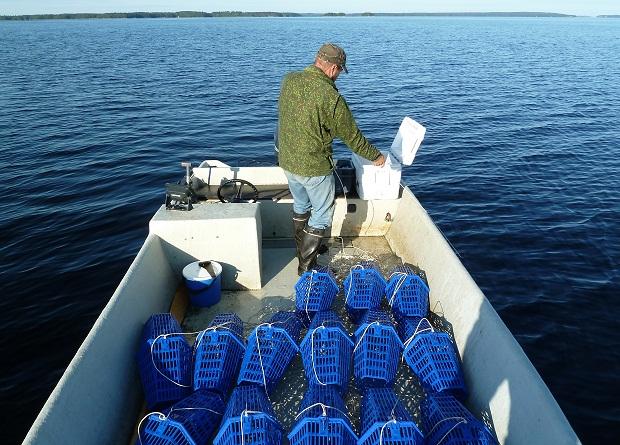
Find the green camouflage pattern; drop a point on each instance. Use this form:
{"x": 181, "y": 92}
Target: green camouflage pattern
{"x": 311, "y": 114}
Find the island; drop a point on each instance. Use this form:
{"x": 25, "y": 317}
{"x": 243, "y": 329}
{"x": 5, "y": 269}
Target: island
{"x": 198, "y": 14}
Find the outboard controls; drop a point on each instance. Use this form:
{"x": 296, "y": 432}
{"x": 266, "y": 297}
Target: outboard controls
{"x": 181, "y": 195}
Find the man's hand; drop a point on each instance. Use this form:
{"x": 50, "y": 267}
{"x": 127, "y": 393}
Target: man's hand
{"x": 379, "y": 161}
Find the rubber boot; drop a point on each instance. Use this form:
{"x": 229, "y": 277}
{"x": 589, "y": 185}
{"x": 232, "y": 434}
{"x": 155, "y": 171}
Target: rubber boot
{"x": 299, "y": 222}
{"x": 309, "y": 249}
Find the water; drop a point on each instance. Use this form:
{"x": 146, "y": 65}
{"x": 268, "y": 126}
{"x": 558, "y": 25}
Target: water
{"x": 519, "y": 168}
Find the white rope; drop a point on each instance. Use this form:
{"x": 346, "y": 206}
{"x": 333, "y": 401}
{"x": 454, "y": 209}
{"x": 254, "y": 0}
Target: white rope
{"x": 260, "y": 357}
{"x": 400, "y": 282}
{"x": 308, "y": 294}
{"x": 351, "y": 281}
{"x": 364, "y": 333}
{"x": 460, "y": 420}
{"x": 416, "y": 332}
{"x": 163, "y": 417}
{"x": 245, "y": 412}
{"x": 341, "y": 244}
{"x": 342, "y": 254}
{"x": 153, "y": 359}
{"x": 312, "y": 355}
{"x": 291, "y": 317}
{"x": 212, "y": 328}
{"x": 202, "y": 333}
{"x": 324, "y": 408}
{"x": 382, "y": 428}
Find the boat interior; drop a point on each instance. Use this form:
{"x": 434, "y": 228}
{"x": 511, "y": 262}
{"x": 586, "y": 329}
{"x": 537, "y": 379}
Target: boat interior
{"x": 253, "y": 241}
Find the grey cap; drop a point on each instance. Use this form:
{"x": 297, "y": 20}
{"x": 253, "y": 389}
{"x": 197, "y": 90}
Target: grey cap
{"x": 334, "y": 54}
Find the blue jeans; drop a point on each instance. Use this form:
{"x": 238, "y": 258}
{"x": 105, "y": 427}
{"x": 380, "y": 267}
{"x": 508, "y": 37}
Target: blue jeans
{"x": 314, "y": 193}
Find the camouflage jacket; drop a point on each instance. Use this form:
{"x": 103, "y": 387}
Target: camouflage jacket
{"x": 311, "y": 114}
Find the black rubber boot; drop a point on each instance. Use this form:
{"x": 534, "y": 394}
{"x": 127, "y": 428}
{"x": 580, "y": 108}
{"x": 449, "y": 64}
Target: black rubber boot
{"x": 299, "y": 221}
{"x": 309, "y": 249}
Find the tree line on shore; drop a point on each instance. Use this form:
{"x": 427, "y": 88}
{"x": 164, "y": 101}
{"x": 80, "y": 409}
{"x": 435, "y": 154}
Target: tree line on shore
{"x": 188, "y": 14}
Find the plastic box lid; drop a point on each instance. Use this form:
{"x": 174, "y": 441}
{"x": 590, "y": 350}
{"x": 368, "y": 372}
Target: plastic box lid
{"x": 407, "y": 140}
{"x": 194, "y": 272}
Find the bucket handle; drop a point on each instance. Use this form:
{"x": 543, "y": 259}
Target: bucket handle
{"x": 206, "y": 265}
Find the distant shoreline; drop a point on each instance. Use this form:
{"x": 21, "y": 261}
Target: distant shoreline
{"x": 194, "y": 14}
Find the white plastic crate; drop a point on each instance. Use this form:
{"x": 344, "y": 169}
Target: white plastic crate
{"x": 377, "y": 182}
{"x": 384, "y": 182}
{"x": 407, "y": 140}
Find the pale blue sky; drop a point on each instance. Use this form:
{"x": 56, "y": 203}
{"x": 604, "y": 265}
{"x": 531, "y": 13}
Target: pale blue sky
{"x": 579, "y": 7}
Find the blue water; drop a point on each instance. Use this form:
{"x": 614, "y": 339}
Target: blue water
{"x": 520, "y": 168}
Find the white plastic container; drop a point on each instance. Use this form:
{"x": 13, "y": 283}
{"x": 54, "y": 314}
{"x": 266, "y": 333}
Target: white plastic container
{"x": 407, "y": 140}
{"x": 377, "y": 182}
{"x": 384, "y": 182}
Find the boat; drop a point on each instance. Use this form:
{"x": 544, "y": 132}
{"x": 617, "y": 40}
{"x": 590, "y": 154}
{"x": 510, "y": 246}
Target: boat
{"x": 98, "y": 399}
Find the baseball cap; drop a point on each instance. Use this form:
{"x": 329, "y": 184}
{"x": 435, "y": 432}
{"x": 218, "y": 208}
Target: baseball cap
{"x": 334, "y": 54}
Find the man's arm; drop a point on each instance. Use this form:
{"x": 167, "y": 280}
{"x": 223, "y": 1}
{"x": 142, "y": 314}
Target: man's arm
{"x": 346, "y": 129}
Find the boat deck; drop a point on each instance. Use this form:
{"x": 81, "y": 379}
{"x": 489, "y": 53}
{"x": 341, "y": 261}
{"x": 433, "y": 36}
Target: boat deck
{"x": 278, "y": 293}
{"x": 280, "y": 275}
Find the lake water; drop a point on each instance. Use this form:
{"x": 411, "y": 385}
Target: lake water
{"x": 520, "y": 168}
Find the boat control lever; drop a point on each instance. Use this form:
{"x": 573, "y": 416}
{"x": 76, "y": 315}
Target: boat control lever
{"x": 188, "y": 171}
{"x": 181, "y": 196}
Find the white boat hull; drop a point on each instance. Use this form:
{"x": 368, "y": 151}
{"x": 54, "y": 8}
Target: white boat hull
{"x": 98, "y": 399}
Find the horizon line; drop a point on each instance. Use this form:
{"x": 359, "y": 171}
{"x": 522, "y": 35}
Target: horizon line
{"x": 312, "y": 13}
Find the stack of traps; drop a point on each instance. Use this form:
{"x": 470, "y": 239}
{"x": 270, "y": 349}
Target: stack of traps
{"x": 407, "y": 293}
{"x": 386, "y": 421}
{"x": 432, "y": 357}
{"x": 218, "y": 351}
{"x": 447, "y": 422}
{"x": 326, "y": 352}
{"x": 190, "y": 421}
{"x": 249, "y": 419}
{"x": 271, "y": 347}
{"x": 364, "y": 289}
{"x": 322, "y": 419}
{"x": 164, "y": 360}
{"x": 315, "y": 291}
{"x": 377, "y": 350}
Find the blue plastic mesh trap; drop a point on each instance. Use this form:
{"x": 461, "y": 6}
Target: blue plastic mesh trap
{"x": 270, "y": 349}
{"x": 160, "y": 324}
{"x": 408, "y": 326}
{"x": 407, "y": 293}
{"x": 164, "y": 362}
{"x": 217, "y": 358}
{"x": 248, "y": 397}
{"x": 377, "y": 351}
{"x": 386, "y": 421}
{"x": 190, "y": 421}
{"x": 447, "y": 421}
{"x": 289, "y": 321}
{"x": 315, "y": 290}
{"x": 364, "y": 288}
{"x": 326, "y": 318}
{"x": 376, "y": 315}
{"x": 380, "y": 405}
{"x": 326, "y": 351}
{"x": 322, "y": 419}
{"x": 249, "y": 419}
{"x": 228, "y": 321}
{"x": 250, "y": 429}
{"x": 434, "y": 359}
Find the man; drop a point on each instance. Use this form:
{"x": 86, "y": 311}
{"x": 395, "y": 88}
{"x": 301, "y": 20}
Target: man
{"x": 311, "y": 114}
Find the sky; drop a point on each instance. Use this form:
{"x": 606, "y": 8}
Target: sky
{"x": 577, "y": 7}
